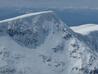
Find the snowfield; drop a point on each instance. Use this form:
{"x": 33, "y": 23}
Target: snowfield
{"x": 40, "y": 43}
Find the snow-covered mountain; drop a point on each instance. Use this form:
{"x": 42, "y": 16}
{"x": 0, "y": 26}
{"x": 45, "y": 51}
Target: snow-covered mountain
{"x": 40, "y": 43}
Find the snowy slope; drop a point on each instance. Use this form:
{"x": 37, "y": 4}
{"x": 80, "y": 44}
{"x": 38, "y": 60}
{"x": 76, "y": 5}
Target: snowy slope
{"x": 40, "y": 43}
{"x": 90, "y": 34}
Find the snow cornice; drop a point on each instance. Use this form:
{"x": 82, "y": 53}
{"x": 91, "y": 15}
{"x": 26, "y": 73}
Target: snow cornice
{"x": 25, "y": 15}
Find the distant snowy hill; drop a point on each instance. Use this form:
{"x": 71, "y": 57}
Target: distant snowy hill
{"x": 85, "y": 29}
{"x": 40, "y": 43}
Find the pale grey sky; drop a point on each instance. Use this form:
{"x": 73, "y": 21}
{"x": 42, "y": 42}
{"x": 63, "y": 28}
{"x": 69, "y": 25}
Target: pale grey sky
{"x": 49, "y": 3}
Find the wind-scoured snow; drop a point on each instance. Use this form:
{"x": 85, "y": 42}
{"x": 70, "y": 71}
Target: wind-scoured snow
{"x": 85, "y": 29}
